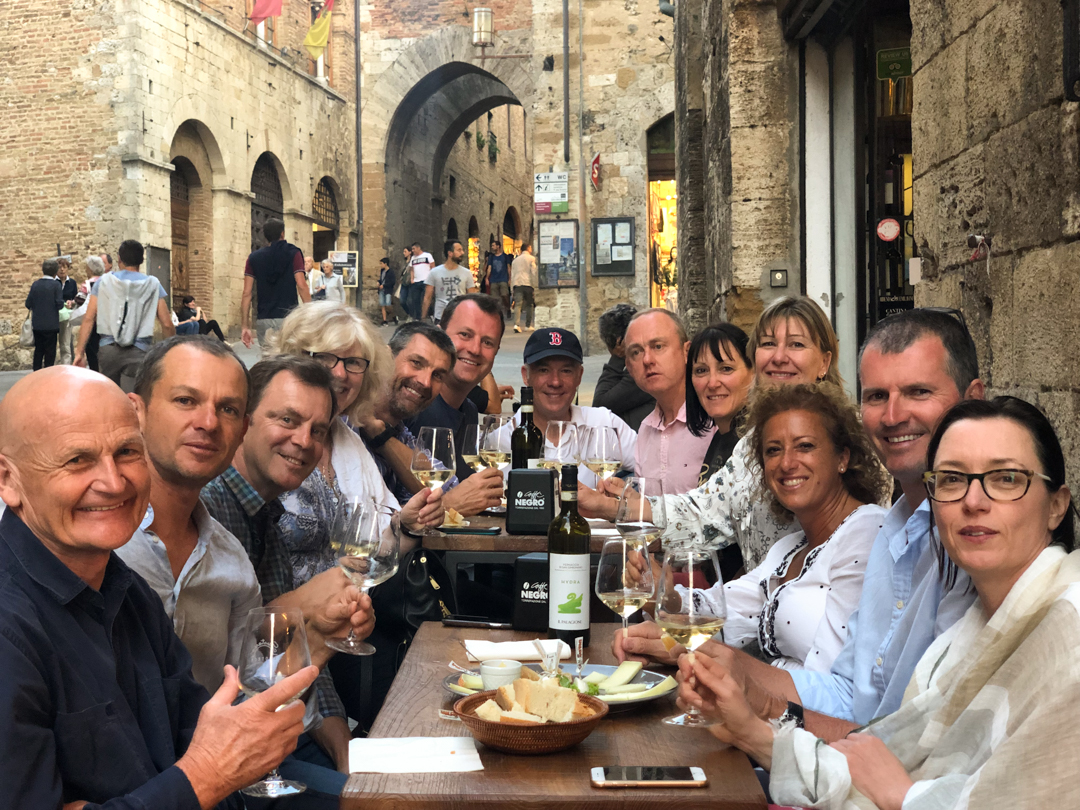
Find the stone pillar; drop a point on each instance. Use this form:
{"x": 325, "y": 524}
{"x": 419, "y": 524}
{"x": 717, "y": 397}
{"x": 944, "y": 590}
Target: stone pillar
{"x": 697, "y": 273}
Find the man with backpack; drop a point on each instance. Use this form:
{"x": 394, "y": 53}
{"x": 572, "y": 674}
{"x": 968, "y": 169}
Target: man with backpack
{"x": 124, "y": 304}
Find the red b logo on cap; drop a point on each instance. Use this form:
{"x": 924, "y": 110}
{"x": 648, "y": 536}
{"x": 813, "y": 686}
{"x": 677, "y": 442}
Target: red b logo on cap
{"x": 556, "y": 339}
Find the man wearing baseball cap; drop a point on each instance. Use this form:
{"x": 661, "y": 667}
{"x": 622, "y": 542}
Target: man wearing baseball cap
{"x": 553, "y": 367}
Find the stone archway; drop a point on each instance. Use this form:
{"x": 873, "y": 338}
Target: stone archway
{"x": 268, "y": 202}
{"x": 414, "y": 123}
{"x": 194, "y": 154}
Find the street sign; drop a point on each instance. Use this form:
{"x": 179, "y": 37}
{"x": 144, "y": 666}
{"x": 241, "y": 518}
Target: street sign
{"x": 894, "y": 63}
{"x": 888, "y": 230}
{"x": 551, "y": 193}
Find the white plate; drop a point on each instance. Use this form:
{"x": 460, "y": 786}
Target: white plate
{"x": 646, "y": 676}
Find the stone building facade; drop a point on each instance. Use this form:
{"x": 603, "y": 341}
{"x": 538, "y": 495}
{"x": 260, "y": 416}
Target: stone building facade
{"x": 153, "y": 122}
{"x": 799, "y": 151}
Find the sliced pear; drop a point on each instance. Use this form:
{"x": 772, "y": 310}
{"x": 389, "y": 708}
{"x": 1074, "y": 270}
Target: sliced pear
{"x": 474, "y": 682}
{"x": 662, "y": 688}
{"x": 625, "y": 690}
{"x": 626, "y": 672}
{"x": 461, "y": 690}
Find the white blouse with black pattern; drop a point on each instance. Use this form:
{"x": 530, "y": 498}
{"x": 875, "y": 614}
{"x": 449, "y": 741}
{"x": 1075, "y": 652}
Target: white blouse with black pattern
{"x": 802, "y": 623}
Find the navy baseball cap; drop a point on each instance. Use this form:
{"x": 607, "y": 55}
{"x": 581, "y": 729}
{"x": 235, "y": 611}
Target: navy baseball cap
{"x": 552, "y": 342}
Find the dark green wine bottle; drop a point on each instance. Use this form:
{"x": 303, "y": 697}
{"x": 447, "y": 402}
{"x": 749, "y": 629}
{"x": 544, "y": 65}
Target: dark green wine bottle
{"x": 526, "y": 442}
{"x": 569, "y": 583}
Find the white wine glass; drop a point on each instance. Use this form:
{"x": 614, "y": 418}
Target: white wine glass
{"x": 368, "y": 548}
{"x": 434, "y": 459}
{"x": 470, "y": 448}
{"x": 560, "y": 445}
{"x": 274, "y": 646}
{"x": 601, "y": 451}
{"x": 624, "y": 578}
{"x": 640, "y": 515}
{"x": 689, "y": 609}
{"x": 495, "y": 440}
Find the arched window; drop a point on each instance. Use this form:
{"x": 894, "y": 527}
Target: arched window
{"x": 451, "y": 229}
{"x": 269, "y": 203}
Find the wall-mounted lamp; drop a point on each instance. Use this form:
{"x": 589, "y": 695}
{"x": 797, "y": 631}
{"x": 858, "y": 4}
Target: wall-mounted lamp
{"x": 483, "y": 27}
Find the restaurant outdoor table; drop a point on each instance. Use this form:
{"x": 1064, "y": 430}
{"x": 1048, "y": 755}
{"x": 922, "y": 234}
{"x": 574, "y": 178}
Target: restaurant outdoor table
{"x": 559, "y": 780}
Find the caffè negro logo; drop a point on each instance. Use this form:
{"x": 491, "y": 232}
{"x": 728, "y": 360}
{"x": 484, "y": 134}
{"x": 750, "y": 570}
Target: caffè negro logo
{"x": 534, "y": 499}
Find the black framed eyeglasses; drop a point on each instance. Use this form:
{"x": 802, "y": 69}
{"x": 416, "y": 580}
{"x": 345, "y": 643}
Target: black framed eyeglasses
{"x": 950, "y": 486}
{"x": 353, "y": 365}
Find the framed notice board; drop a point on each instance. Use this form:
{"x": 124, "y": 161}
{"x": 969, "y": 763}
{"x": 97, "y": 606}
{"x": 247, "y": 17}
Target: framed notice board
{"x": 346, "y": 265}
{"x": 558, "y": 259}
{"x": 613, "y": 246}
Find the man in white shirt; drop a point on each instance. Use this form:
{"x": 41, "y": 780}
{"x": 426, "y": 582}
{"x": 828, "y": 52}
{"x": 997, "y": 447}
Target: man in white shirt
{"x": 420, "y": 264}
{"x": 524, "y": 281}
{"x": 447, "y": 281}
{"x": 553, "y": 368}
{"x": 191, "y": 399}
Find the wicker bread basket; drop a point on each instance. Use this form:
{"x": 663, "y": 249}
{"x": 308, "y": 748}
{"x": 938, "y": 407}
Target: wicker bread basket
{"x": 528, "y": 739}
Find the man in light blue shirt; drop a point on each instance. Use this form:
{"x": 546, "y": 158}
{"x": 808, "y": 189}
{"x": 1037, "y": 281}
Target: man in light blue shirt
{"x": 913, "y": 367}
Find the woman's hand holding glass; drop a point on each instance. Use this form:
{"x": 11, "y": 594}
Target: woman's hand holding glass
{"x": 624, "y": 578}
{"x": 636, "y": 518}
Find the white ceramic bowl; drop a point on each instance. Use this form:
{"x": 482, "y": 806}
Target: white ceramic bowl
{"x": 499, "y": 672}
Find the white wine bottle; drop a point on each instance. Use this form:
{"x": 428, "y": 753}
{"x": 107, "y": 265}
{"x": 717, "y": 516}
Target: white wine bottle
{"x": 526, "y": 442}
{"x": 568, "y": 567}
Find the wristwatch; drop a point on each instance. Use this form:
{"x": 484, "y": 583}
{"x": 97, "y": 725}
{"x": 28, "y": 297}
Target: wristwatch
{"x": 375, "y": 442}
{"x": 793, "y": 714}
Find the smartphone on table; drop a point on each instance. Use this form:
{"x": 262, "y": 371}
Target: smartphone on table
{"x": 648, "y": 776}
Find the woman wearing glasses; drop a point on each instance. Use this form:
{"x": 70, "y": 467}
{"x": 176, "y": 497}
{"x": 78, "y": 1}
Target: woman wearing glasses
{"x": 346, "y": 342}
{"x": 992, "y": 693}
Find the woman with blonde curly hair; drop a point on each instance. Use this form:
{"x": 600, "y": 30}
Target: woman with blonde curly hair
{"x": 342, "y": 339}
{"x": 814, "y": 462}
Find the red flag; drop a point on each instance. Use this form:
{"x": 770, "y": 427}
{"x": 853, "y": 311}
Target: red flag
{"x": 263, "y": 9}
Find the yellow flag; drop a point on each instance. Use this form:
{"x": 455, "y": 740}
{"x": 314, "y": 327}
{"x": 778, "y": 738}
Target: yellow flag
{"x": 319, "y": 33}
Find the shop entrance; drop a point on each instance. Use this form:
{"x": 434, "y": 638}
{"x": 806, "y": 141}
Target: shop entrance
{"x": 663, "y": 222}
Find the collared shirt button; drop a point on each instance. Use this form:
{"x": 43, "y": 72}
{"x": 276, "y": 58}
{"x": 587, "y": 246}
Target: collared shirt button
{"x": 878, "y": 661}
{"x": 899, "y": 604}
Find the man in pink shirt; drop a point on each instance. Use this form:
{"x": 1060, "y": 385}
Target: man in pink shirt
{"x": 656, "y": 345}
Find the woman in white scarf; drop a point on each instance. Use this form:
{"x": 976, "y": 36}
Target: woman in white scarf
{"x": 346, "y": 342}
{"x": 993, "y": 694}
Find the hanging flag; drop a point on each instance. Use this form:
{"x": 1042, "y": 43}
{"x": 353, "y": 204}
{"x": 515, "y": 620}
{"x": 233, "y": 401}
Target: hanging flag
{"x": 319, "y": 33}
{"x": 264, "y": 9}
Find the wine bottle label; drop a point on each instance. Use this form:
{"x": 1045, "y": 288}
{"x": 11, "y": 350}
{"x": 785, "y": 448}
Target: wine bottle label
{"x": 526, "y": 409}
{"x": 568, "y": 591}
{"x": 533, "y": 464}
{"x": 569, "y": 496}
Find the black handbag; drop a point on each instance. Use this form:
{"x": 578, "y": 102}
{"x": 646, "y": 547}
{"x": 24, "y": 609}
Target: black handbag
{"x": 420, "y": 591}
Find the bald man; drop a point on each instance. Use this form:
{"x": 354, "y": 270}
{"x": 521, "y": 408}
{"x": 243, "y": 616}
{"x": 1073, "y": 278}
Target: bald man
{"x": 97, "y": 701}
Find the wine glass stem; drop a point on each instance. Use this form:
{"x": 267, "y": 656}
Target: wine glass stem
{"x": 273, "y": 776}
{"x": 352, "y": 639}
{"x": 625, "y": 626}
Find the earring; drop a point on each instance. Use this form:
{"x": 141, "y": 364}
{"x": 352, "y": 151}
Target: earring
{"x": 843, "y": 469}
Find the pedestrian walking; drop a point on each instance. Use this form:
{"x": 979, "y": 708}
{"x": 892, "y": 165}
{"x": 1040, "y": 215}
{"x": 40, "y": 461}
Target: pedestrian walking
{"x": 524, "y": 279}
{"x": 45, "y": 300}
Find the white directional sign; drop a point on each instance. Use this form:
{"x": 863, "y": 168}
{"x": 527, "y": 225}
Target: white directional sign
{"x": 551, "y": 192}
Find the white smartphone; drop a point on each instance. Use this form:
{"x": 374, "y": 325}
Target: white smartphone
{"x": 646, "y": 776}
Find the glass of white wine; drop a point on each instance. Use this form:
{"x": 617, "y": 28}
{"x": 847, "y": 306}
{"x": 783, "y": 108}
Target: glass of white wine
{"x": 494, "y": 440}
{"x": 434, "y": 459}
{"x": 560, "y": 445}
{"x": 624, "y": 578}
{"x": 274, "y": 647}
{"x": 600, "y": 451}
{"x": 470, "y": 448}
{"x": 637, "y": 518}
{"x": 689, "y": 609}
{"x": 367, "y": 543}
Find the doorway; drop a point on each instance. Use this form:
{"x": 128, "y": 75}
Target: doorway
{"x": 324, "y": 230}
{"x": 663, "y": 219}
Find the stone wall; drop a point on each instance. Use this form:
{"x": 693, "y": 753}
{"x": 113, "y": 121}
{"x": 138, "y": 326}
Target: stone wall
{"x": 997, "y": 153}
{"x": 95, "y": 117}
{"x": 628, "y": 85}
{"x": 748, "y": 190}
{"x": 485, "y": 189}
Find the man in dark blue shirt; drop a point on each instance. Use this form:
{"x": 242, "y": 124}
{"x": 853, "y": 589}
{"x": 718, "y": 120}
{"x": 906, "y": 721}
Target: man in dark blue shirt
{"x": 497, "y": 271}
{"x": 97, "y": 701}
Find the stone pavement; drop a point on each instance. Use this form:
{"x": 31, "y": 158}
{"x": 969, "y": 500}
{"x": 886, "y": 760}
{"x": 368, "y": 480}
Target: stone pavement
{"x": 507, "y": 367}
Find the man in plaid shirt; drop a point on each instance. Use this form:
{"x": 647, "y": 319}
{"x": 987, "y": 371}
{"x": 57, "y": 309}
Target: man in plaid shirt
{"x": 290, "y": 406}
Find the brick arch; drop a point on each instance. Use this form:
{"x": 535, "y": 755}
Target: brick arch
{"x": 193, "y": 153}
{"x": 192, "y": 114}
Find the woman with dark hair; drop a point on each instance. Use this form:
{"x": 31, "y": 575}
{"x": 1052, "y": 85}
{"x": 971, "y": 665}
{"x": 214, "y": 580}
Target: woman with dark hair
{"x": 718, "y": 377}
{"x": 191, "y": 321}
{"x": 990, "y": 713}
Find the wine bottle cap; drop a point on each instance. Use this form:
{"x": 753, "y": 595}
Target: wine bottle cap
{"x": 569, "y": 478}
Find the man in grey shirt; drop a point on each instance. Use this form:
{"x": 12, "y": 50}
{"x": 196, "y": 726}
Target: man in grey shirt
{"x": 447, "y": 281}
{"x": 191, "y": 399}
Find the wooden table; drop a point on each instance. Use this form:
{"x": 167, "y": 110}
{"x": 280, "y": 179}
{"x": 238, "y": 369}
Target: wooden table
{"x": 561, "y": 780}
